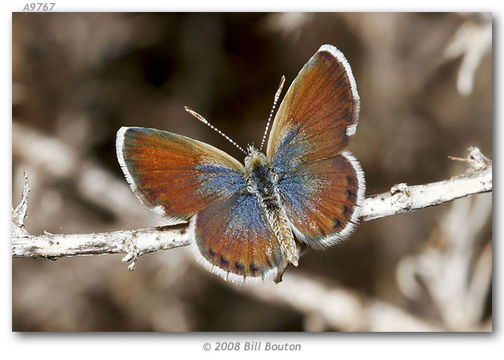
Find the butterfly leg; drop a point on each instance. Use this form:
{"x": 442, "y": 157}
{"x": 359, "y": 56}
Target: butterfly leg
{"x": 300, "y": 247}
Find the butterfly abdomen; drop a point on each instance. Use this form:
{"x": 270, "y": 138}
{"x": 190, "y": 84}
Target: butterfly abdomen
{"x": 280, "y": 224}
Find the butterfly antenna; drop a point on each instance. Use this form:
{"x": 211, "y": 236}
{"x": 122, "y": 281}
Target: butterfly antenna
{"x": 277, "y": 96}
{"x": 205, "y": 121}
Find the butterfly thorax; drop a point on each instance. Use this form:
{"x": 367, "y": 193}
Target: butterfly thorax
{"x": 261, "y": 179}
{"x": 262, "y": 182}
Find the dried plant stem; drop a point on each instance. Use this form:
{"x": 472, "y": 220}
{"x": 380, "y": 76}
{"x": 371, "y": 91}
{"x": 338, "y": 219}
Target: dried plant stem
{"x": 403, "y": 198}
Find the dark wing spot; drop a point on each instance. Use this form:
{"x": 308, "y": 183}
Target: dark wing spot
{"x": 337, "y": 224}
{"x": 350, "y": 180}
{"x": 223, "y": 260}
{"x": 211, "y": 252}
{"x": 326, "y": 54}
{"x": 239, "y": 266}
{"x": 254, "y": 268}
{"x": 351, "y": 195}
{"x": 346, "y": 211}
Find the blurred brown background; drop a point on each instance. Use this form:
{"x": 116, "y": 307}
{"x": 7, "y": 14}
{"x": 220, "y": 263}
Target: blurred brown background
{"x": 425, "y": 82}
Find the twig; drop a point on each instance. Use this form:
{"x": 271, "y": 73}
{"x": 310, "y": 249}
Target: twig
{"x": 19, "y": 214}
{"x": 401, "y": 198}
{"x": 132, "y": 242}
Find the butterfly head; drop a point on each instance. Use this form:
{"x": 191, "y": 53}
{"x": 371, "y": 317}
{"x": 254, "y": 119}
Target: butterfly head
{"x": 254, "y": 157}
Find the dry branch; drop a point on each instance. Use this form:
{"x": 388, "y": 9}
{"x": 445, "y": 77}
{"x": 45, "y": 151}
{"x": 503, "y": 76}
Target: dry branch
{"x": 403, "y": 198}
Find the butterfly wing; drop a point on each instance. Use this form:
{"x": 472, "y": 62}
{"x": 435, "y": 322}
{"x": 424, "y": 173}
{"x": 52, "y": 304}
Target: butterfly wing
{"x": 174, "y": 175}
{"x": 234, "y": 240}
{"x": 321, "y": 185}
{"x": 184, "y": 179}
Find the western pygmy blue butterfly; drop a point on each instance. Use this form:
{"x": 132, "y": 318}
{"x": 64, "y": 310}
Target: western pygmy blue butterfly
{"x": 250, "y": 221}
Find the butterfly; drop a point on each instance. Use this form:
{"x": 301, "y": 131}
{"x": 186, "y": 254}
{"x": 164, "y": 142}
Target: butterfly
{"x": 250, "y": 221}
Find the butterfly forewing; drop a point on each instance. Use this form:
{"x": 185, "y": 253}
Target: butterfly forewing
{"x": 321, "y": 106}
{"x": 174, "y": 175}
{"x": 321, "y": 186}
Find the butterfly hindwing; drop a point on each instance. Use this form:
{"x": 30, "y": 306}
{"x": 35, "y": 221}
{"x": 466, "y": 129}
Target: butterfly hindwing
{"x": 321, "y": 199}
{"x": 321, "y": 186}
{"x": 174, "y": 175}
{"x": 235, "y": 241}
